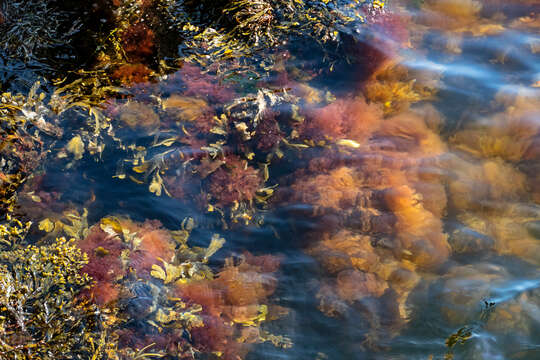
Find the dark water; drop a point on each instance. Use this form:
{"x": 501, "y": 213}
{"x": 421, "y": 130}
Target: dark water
{"x": 456, "y": 166}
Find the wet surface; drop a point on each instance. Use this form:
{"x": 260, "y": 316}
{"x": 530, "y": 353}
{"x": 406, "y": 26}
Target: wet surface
{"x": 399, "y": 193}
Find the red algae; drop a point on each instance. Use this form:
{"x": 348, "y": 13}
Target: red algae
{"x": 349, "y": 118}
{"x": 104, "y": 263}
{"x": 155, "y": 243}
{"x": 232, "y": 304}
{"x": 139, "y": 276}
{"x": 199, "y": 84}
{"x": 235, "y": 181}
{"x": 138, "y": 42}
{"x": 268, "y": 134}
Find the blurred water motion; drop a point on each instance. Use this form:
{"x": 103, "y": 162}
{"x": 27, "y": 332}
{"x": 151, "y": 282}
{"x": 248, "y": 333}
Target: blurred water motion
{"x": 393, "y": 202}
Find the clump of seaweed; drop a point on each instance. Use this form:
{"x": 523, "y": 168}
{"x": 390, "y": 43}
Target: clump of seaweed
{"x": 484, "y": 184}
{"x": 234, "y": 182}
{"x": 138, "y": 115}
{"x": 224, "y": 150}
{"x": 12, "y": 231}
{"x": 377, "y": 204}
{"x": 351, "y": 119}
{"x": 452, "y": 14}
{"x": 360, "y": 268}
{"x": 41, "y": 314}
{"x": 509, "y": 135}
{"x": 193, "y": 112}
{"x": 457, "y": 19}
{"x": 27, "y": 126}
{"x": 129, "y": 74}
{"x": 138, "y": 42}
{"x": 396, "y": 87}
{"x": 159, "y": 292}
{"x": 234, "y": 304}
{"x": 511, "y": 226}
{"x": 104, "y": 263}
{"x": 236, "y": 33}
{"x": 27, "y": 35}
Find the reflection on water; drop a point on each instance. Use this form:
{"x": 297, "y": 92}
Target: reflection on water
{"x": 393, "y": 203}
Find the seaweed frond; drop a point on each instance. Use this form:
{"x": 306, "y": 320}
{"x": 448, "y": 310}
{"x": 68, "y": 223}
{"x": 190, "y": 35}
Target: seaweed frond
{"x": 41, "y": 314}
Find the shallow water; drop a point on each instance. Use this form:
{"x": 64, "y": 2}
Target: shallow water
{"x": 419, "y": 216}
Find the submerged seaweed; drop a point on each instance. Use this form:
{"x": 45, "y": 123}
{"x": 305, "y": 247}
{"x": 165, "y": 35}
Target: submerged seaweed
{"x": 229, "y": 111}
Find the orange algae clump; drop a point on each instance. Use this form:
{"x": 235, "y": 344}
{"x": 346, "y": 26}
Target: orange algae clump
{"x": 349, "y": 118}
{"x": 138, "y": 115}
{"x": 409, "y": 133}
{"x": 333, "y": 190}
{"x": 129, "y": 74}
{"x": 361, "y": 269}
{"x": 155, "y": 243}
{"x": 345, "y": 250}
{"x": 245, "y": 284}
{"x": 504, "y": 136}
{"x": 138, "y": 42}
{"x": 510, "y": 135}
{"x": 192, "y": 110}
{"x": 512, "y": 227}
{"x": 451, "y": 14}
{"x": 233, "y": 304}
{"x": 420, "y": 232}
{"x": 354, "y": 285}
{"x": 396, "y": 87}
{"x": 387, "y": 198}
{"x": 481, "y": 185}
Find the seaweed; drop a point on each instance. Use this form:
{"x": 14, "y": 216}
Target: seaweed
{"x": 42, "y": 315}
{"x": 27, "y": 35}
{"x": 27, "y": 126}
{"x": 158, "y": 296}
